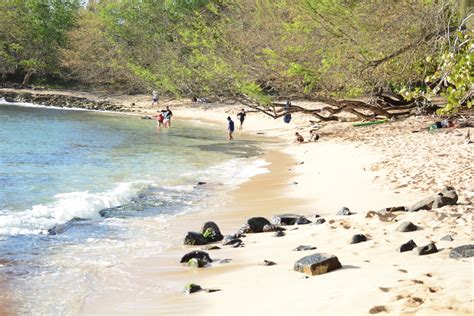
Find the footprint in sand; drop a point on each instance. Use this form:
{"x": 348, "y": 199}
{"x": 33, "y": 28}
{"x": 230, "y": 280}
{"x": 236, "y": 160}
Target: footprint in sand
{"x": 378, "y": 309}
{"x": 403, "y": 270}
{"x": 413, "y": 301}
{"x": 433, "y": 289}
{"x": 418, "y": 282}
{"x": 384, "y": 289}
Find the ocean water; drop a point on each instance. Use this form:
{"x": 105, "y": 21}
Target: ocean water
{"x": 75, "y": 186}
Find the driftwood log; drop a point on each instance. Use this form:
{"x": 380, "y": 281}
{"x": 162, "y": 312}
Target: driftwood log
{"x": 382, "y": 104}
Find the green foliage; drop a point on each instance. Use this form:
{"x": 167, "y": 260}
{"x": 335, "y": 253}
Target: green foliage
{"x": 209, "y": 233}
{"x": 259, "y": 49}
{"x": 255, "y": 92}
{"x": 31, "y": 32}
{"x": 453, "y": 75}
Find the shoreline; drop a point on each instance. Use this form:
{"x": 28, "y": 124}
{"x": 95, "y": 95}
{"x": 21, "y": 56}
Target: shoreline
{"x": 347, "y": 167}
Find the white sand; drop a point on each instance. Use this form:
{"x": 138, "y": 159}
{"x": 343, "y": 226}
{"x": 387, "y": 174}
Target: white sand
{"x": 364, "y": 169}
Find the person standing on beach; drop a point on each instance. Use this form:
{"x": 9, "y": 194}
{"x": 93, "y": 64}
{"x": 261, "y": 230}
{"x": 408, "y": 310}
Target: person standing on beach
{"x": 241, "y": 117}
{"x": 167, "y": 115}
{"x": 230, "y": 128}
{"x": 154, "y": 98}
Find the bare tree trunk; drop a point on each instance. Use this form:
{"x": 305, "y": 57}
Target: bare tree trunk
{"x": 27, "y": 78}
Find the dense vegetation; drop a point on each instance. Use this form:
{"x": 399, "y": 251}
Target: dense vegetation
{"x": 257, "y": 49}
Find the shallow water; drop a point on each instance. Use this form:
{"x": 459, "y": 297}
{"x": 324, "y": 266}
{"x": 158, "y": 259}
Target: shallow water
{"x": 75, "y": 186}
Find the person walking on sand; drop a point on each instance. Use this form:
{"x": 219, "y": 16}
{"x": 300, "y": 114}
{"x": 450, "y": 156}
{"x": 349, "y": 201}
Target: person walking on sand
{"x": 299, "y": 139}
{"x": 154, "y": 98}
{"x": 230, "y": 128}
{"x": 241, "y": 116}
{"x": 167, "y": 115}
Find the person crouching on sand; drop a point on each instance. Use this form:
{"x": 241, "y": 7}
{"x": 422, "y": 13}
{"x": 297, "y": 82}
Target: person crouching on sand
{"x": 313, "y": 136}
{"x": 299, "y": 139}
{"x": 230, "y": 128}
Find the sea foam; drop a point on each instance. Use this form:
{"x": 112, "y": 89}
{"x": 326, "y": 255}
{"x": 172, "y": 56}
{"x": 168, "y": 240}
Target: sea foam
{"x": 67, "y": 206}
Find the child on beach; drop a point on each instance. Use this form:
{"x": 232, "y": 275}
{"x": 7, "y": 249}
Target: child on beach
{"x": 154, "y": 98}
{"x": 299, "y": 139}
{"x": 230, "y": 128}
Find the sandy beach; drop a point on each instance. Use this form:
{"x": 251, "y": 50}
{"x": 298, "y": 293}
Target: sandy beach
{"x": 362, "y": 168}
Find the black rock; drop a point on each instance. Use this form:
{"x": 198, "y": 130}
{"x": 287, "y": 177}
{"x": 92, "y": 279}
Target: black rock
{"x": 193, "y": 238}
{"x": 319, "y": 221}
{"x": 302, "y": 221}
{"x": 344, "y": 211}
{"x": 245, "y": 229}
{"x": 192, "y": 288}
{"x": 317, "y": 263}
{"x": 197, "y": 254}
{"x": 211, "y": 290}
{"x": 230, "y": 237}
{"x": 228, "y": 242}
{"x": 407, "y": 227}
{"x": 238, "y": 244}
{"x": 272, "y": 228}
{"x": 464, "y": 251}
{"x": 256, "y": 224}
{"x": 357, "y": 238}
{"x": 211, "y": 232}
{"x": 426, "y": 250}
{"x": 57, "y": 229}
{"x": 279, "y": 234}
{"x": 447, "y": 196}
{"x": 304, "y": 248}
{"x": 61, "y": 228}
{"x": 408, "y": 246}
{"x": 201, "y": 183}
{"x": 268, "y": 263}
{"x": 289, "y": 219}
{"x": 394, "y": 209}
{"x": 447, "y": 238}
{"x": 213, "y": 247}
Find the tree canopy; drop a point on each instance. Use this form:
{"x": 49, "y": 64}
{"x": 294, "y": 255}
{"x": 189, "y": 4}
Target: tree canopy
{"x": 261, "y": 50}
{"x": 31, "y": 34}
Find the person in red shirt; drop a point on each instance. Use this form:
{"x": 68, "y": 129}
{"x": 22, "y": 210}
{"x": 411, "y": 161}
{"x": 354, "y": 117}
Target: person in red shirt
{"x": 159, "y": 119}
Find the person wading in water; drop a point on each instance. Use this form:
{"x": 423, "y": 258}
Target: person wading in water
{"x": 230, "y": 128}
{"x": 241, "y": 116}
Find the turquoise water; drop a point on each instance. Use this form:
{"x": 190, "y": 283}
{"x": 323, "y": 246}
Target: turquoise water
{"x": 75, "y": 184}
